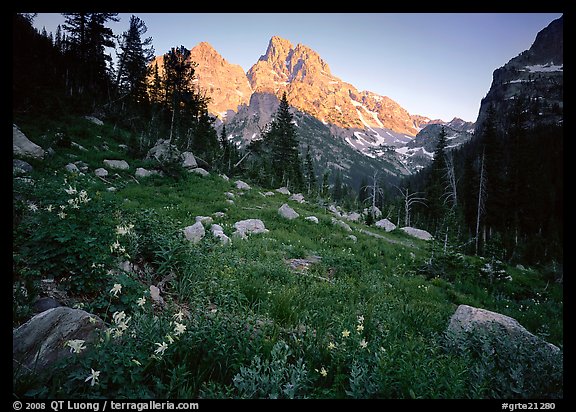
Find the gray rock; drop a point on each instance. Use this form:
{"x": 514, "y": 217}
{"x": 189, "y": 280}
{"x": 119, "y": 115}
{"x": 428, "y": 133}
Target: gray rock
{"x": 72, "y": 168}
{"x": 342, "y": 224}
{"x": 22, "y": 146}
{"x": 188, "y": 160}
{"x": 242, "y": 185}
{"x": 352, "y": 238}
{"x": 377, "y": 212}
{"x": 249, "y": 226}
{"x": 287, "y": 212}
{"x": 385, "y": 224}
{"x": 283, "y": 190}
{"x": 218, "y": 232}
{"x": 353, "y": 217}
{"x": 297, "y": 197}
{"x": 200, "y": 171}
{"x": 21, "y": 167}
{"x": 41, "y": 341}
{"x": 45, "y": 303}
{"x": 163, "y": 151}
{"x": 195, "y": 233}
{"x": 267, "y": 194}
{"x": 101, "y": 172}
{"x": 141, "y": 172}
{"x": 229, "y": 195}
{"x": 312, "y": 219}
{"x": 517, "y": 352}
{"x": 223, "y": 176}
{"x": 334, "y": 210}
{"x": 206, "y": 220}
{"x": 417, "y": 233}
{"x": 117, "y": 164}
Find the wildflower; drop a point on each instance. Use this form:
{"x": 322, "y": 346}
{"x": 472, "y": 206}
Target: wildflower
{"x": 363, "y": 343}
{"x": 114, "y": 246}
{"x": 61, "y": 215}
{"x": 141, "y": 301}
{"x": 361, "y": 319}
{"x": 170, "y": 339}
{"x": 117, "y": 333}
{"x": 345, "y": 333}
{"x": 323, "y": 372}
{"x": 49, "y": 208}
{"x": 93, "y": 377}
{"x": 118, "y": 316}
{"x": 32, "y": 207}
{"x": 331, "y": 346}
{"x": 179, "y": 316}
{"x": 117, "y": 288}
{"x": 76, "y": 345}
{"x": 360, "y": 328}
{"x": 136, "y": 362}
{"x": 179, "y": 328}
{"x": 161, "y": 348}
{"x": 70, "y": 190}
{"x": 122, "y": 230}
{"x": 92, "y": 319}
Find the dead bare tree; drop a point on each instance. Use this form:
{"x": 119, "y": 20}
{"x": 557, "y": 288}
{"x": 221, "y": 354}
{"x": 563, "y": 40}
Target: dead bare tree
{"x": 450, "y": 194}
{"x": 481, "y": 200}
{"x": 375, "y": 191}
{"x": 409, "y": 200}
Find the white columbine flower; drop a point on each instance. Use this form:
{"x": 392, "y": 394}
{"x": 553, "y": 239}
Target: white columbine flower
{"x": 161, "y": 348}
{"x": 93, "y": 377}
{"x": 179, "y": 328}
{"x": 70, "y": 190}
{"x": 363, "y": 344}
{"x": 49, "y": 208}
{"x": 179, "y": 316}
{"x": 61, "y": 215}
{"x": 32, "y": 207}
{"x": 117, "y": 288}
{"x": 76, "y": 345}
{"x": 141, "y": 301}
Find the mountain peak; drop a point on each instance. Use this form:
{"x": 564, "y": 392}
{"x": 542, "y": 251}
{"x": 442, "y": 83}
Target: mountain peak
{"x": 278, "y": 49}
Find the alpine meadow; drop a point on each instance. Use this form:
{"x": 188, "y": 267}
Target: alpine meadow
{"x": 187, "y": 229}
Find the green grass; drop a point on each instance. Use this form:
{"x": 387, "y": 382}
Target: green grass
{"x": 241, "y": 302}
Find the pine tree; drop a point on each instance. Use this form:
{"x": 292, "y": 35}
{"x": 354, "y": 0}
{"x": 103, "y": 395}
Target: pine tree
{"x": 310, "y": 174}
{"x": 287, "y": 166}
{"x": 135, "y": 55}
{"x": 437, "y": 183}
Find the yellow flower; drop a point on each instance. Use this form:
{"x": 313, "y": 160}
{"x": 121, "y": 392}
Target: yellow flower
{"x": 345, "y": 333}
{"x": 360, "y": 328}
{"x": 179, "y": 316}
{"x": 323, "y": 372}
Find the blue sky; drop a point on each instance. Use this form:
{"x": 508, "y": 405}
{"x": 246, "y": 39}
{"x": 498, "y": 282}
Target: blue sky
{"x": 437, "y": 65}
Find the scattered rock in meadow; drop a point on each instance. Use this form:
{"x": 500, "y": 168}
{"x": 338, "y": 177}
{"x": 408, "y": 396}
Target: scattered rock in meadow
{"x": 242, "y": 185}
{"x": 283, "y": 190}
{"x": 72, "y": 168}
{"x": 188, "y": 160}
{"x": 287, "y": 212}
{"x": 42, "y": 340}
{"x": 117, "y": 164}
{"x": 194, "y": 233}
{"x": 200, "y": 171}
{"x": 417, "y": 233}
{"x": 21, "y": 167}
{"x": 22, "y": 146}
{"x": 312, "y": 219}
{"x": 101, "y": 172}
{"x": 248, "y": 227}
{"x": 297, "y": 197}
{"x": 385, "y": 224}
{"x": 341, "y": 224}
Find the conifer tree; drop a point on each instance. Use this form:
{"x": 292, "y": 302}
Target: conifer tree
{"x": 310, "y": 174}
{"x": 284, "y": 145}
